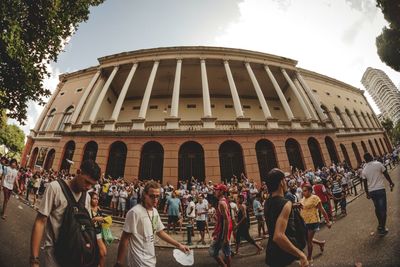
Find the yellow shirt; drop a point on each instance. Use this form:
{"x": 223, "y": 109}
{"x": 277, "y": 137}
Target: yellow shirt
{"x": 310, "y": 209}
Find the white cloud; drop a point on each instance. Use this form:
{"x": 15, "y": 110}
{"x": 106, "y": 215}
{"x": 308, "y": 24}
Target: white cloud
{"x": 332, "y": 37}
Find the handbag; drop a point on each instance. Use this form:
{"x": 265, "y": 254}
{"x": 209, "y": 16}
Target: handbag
{"x": 106, "y": 231}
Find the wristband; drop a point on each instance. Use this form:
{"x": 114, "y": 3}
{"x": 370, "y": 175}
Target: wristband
{"x": 34, "y": 260}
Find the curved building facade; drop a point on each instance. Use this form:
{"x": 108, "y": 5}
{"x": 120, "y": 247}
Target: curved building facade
{"x": 206, "y": 112}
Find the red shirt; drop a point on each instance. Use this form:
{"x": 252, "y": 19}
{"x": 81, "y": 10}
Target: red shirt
{"x": 320, "y": 191}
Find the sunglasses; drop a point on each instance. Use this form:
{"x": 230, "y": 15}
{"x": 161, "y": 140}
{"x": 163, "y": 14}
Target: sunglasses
{"x": 154, "y": 196}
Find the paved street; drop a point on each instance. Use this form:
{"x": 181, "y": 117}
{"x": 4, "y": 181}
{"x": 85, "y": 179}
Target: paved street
{"x": 350, "y": 240}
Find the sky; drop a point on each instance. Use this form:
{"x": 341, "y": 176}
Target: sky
{"x": 332, "y": 37}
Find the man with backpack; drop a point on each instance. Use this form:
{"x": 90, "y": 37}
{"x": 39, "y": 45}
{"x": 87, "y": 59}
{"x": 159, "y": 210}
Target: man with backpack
{"x": 64, "y": 209}
{"x": 286, "y": 228}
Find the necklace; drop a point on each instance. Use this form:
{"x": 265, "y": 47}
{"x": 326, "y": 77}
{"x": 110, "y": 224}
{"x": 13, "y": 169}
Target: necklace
{"x": 152, "y": 222}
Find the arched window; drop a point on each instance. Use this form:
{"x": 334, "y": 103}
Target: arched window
{"x": 340, "y": 118}
{"x": 372, "y": 148}
{"x": 33, "y": 158}
{"x": 69, "y": 150}
{"x": 48, "y": 120}
{"x": 383, "y": 147}
{"x": 90, "y": 151}
{"x": 345, "y": 154}
{"x": 353, "y": 124}
{"x": 362, "y": 125}
{"x": 191, "y": 161}
{"x": 294, "y": 154}
{"x": 266, "y": 157}
{"x": 116, "y": 160}
{"x": 41, "y": 156}
{"x": 315, "y": 151}
{"x": 231, "y": 160}
{"x": 151, "y": 161}
{"x": 379, "y": 149}
{"x": 330, "y": 145}
{"x": 48, "y": 164}
{"x": 356, "y": 153}
{"x": 65, "y": 118}
{"x": 365, "y": 149}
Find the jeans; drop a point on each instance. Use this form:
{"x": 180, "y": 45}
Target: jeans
{"x": 380, "y": 203}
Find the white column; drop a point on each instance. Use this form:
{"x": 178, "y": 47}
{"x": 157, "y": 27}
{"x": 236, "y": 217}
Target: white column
{"x": 46, "y": 109}
{"x": 297, "y": 94}
{"x": 307, "y": 100}
{"x": 102, "y": 94}
{"x": 281, "y": 96}
{"x": 175, "y": 93}
{"x": 122, "y": 94}
{"x": 260, "y": 95}
{"x": 205, "y": 89}
{"x": 147, "y": 92}
{"x": 311, "y": 96}
{"x": 235, "y": 95}
{"x": 84, "y": 97}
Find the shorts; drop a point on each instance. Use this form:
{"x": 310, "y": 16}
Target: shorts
{"x": 312, "y": 226}
{"x": 121, "y": 206}
{"x": 201, "y": 225}
{"x": 173, "y": 219}
{"x": 7, "y": 193}
{"x": 35, "y": 190}
{"x": 216, "y": 246}
{"x": 260, "y": 218}
{"x": 379, "y": 199}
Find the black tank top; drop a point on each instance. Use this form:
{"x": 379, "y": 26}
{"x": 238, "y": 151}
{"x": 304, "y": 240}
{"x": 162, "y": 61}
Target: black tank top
{"x": 246, "y": 222}
{"x": 275, "y": 256}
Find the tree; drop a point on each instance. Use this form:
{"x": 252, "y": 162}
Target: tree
{"x": 32, "y": 34}
{"x": 13, "y": 138}
{"x": 388, "y": 125}
{"x": 388, "y": 42}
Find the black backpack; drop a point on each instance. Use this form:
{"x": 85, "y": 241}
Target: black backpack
{"x": 76, "y": 244}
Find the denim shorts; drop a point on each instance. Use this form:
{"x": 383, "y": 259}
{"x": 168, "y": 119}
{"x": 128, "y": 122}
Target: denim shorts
{"x": 312, "y": 226}
{"x": 216, "y": 246}
{"x": 379, "y": 199}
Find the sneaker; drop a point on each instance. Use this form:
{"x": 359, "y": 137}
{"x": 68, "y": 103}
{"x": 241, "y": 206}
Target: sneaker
{"x": 383, "y": 232}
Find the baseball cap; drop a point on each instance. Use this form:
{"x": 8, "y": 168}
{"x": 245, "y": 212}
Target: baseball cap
{"x": 221, "y": 187}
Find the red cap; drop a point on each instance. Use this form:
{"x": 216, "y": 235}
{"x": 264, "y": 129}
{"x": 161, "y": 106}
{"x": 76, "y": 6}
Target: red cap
{"x": 221, "y": 187}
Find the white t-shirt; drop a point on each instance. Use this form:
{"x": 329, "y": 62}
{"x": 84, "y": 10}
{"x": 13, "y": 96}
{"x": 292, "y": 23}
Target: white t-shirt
{"x": 189, "y": 207}
{"x": 10, "y": 175}
{"x": 141, "y": 251}
{"x": 373, "y": 173}
{"x": 123, "y": 195}
{"x": 203, "y": 207}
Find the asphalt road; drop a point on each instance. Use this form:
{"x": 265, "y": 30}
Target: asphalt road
{"x": 351, "y": 239}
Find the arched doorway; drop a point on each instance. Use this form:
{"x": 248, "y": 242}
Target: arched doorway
{"x": 315, "y": 151}
{"x": 69, "y": 150}
{"x": 356, "y": 153}
{"x": 372, "y": 148}
{"x": 294, "y": 154}
{"x": 330, "y": 145}
{"x": 151, "y": 161}
{"x": 388, "y": 146}
{"x": 90, "y": 152}
{"x": 365, "y": 149}
{"x": 383, "y": 146}
{"x": 48, "y": 164}
{"x": 266, "y": 157}
{"x": 230, "y": 160}
{"x": 345, "y": 154}
{"x": 191, "y": 161}
{"x": 379, "y": 149}
{"x": 116, "y": 160}
{"x": 33, "y": 158}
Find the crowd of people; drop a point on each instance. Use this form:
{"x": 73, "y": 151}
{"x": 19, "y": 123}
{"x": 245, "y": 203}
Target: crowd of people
{"x": 227, "y": 206}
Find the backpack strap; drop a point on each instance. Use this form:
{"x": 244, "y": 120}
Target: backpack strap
{"x": 82, "y": 199}
{"x": 67, "y": 192}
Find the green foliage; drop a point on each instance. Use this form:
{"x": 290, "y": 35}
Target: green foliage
{"x": 396, "y": 134}
{"x": 388, "y": 42}
{"x": 32, "y": 34}
{"x": 13, "y": 138}
{"x": 388, "y": 125}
